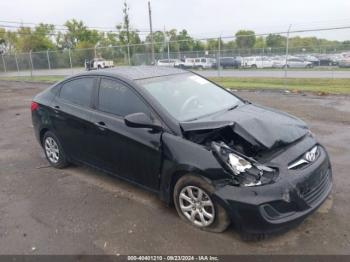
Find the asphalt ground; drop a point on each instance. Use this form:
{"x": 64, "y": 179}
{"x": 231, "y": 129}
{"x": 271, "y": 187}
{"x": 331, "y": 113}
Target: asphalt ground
{"x": 80, "y": 210}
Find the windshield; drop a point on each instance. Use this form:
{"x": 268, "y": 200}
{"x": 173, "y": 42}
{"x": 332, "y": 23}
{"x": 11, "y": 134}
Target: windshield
{"x": 188, "y": 96}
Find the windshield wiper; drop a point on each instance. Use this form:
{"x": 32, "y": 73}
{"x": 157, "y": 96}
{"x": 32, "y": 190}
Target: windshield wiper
{"x": 232, "y": 108}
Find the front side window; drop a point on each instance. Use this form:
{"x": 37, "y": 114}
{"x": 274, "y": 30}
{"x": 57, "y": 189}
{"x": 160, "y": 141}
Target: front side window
{"x": 188, "y": 96}
{"x": 118, "y": 99}
{"x": 78, "y": 91}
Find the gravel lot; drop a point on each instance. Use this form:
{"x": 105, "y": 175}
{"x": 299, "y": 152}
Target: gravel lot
{"x": 79, "y": 210}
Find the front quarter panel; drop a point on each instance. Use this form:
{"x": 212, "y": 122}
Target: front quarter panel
{"x": 181, "y": 156}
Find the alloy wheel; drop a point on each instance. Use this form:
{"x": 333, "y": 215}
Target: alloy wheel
{"x": 196, "y": 206}
{"x": 52, "y": 150}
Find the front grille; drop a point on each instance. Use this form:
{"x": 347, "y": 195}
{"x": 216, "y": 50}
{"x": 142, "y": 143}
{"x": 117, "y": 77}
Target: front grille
{"x": 316, "y": 192}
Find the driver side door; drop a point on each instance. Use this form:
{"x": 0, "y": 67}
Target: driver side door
{"x": 132, "y": 153}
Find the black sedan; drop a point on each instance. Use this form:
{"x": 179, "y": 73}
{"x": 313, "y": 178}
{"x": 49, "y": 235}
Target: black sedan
{"x": 216, "y": 157}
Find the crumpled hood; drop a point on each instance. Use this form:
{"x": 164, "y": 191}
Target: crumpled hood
{"x": 258, "y": 125}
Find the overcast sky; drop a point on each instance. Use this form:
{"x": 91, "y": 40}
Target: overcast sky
{"x": 202, "y": 18}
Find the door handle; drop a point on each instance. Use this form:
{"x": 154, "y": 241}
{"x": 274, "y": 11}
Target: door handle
{"x": 101, "y": 125}
{"x": 55, "y": 108}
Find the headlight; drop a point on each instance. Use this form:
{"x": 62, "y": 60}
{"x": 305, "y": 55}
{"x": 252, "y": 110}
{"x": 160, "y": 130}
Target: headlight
{"x": 238, "y": 164}
{"x": 245, "y": 172}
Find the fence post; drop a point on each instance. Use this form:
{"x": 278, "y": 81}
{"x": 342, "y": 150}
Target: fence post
{"x": 3, "y": 61}
{"x": 48, "y": 59}
{"x": 219, "y": 55}
{"x": 128, "y": 46}
{"x": 16, "y": 60}
{"x": 287, "y": 53}
{"x": 31, "y": 63}
{"x": 168, "y": 50}
{"x": 70, "y": 60}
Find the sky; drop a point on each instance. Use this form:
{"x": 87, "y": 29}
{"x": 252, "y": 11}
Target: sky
{"x": 201, "y": 18}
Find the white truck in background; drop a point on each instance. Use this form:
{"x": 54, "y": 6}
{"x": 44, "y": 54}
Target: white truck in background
{"x": 98, "y": 63}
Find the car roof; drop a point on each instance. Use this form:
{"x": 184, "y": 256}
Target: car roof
{"x": 137, "y": 72}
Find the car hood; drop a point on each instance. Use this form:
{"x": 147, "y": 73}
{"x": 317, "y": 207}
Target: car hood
{"x": 258, "y": 125}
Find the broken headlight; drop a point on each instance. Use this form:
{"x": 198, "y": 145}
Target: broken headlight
{"x": 245, "y": 172}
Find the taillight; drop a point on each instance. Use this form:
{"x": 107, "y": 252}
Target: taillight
{"x": 34, "y": 106}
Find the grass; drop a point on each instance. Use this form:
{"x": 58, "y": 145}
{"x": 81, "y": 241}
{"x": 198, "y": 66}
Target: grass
{"x": 315, "y": 85}
{"x": 40, "y": 79}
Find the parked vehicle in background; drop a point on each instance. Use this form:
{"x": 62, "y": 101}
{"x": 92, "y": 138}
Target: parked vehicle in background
{"x": 345, "y": 62}
{"x": 204, "y": 62}
{"x": 292, "y": 63}
{"x": 258, "y": 62}
{"x": 185, "y": 63}
{"x": 98, "y": 63}
{"x": 309, "y": 58}
{"x": 229, "y": 62}
{"x": 167, "y": 62}
{"x": 326, "y": 60}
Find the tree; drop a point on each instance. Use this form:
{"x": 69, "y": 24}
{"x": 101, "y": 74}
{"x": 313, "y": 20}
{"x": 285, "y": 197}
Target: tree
{"x": 275, "y": 41}
{"x": 185, "y": 41}
{"x": 2, "y": 40}
{"x": 126, "y": 35}
{"x": 213, "y": 44}
{"x": 260, "y": 42}
{"x": 39, "y": 39}
{"x": 78, "y": 33}
{"x": 159, "y": 38}
{"x": 245, "y": 38}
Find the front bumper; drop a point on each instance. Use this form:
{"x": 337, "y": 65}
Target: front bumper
{"x": 277, "y": 207}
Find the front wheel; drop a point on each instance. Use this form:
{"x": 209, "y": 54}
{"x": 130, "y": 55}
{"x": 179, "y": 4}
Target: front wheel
{"x": 194, "y": 204}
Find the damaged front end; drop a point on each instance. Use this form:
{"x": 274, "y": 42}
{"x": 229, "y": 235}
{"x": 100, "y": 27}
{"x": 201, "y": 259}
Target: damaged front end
{"x": 245, "y": 171}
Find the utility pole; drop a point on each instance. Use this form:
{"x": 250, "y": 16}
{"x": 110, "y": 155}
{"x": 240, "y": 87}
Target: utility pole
{"x": 151, "y": 32}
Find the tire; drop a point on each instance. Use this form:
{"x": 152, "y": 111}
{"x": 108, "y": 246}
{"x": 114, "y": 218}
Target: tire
{"x": 220, "y": 220}
{"x": 56, "y": 158}
{"x": 254, "y": 66}
{"x": 99, "y": 67}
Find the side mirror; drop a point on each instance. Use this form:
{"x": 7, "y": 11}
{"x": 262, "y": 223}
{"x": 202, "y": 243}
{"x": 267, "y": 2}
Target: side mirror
{"x": 141, "y": 120}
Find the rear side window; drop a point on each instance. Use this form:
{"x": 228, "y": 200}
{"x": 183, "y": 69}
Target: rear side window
{"x": 78, "y": 91}
{"x": 118, "y": 99}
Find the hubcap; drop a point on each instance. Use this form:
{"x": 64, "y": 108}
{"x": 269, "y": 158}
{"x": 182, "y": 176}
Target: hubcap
{"x": 197, "y": 206}
{"x": 52, "y": 150}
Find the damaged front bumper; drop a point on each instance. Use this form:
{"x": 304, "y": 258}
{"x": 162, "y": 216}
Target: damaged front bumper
{"x": 276, "y": 207}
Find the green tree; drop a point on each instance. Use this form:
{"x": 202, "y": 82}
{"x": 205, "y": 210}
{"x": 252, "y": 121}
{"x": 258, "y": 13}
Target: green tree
{"x": 245, "y": 38}
{"x": 159, "y": 39}
{"x": 38, "y": 39}
{"x": 78, "y": 33}
{"x": 213, "y": 44}
{"x": 275, "y": 41}
{"x": 126, "y": 35}
{"x": 185, "y": 41}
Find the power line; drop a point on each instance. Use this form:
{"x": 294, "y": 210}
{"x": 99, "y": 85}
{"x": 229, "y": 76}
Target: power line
{"x": 100, "y": 28}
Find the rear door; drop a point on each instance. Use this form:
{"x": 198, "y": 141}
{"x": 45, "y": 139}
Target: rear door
{"x": 133, "y": 153}
{"x": 71, "y": 115}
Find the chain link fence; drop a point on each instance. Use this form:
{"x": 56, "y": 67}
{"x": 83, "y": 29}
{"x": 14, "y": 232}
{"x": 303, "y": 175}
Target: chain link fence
{"x": 141, "y": 54}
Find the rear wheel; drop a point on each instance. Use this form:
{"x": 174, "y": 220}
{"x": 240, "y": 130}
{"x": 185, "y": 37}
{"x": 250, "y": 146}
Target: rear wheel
{"x": 53, "y": 150}
{"x": 194, "y": 204}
